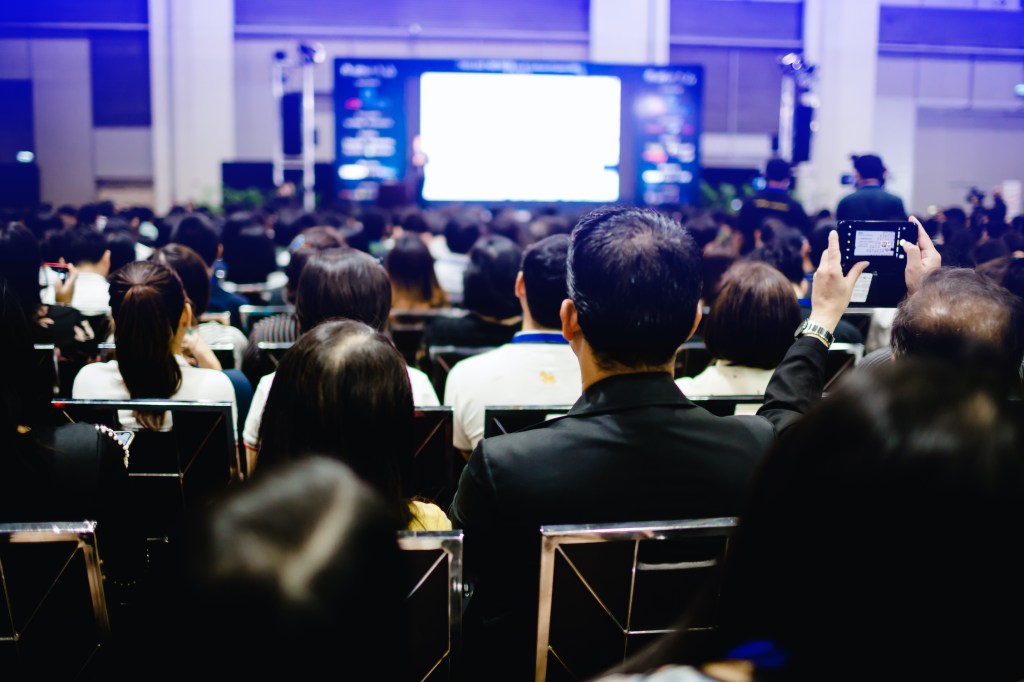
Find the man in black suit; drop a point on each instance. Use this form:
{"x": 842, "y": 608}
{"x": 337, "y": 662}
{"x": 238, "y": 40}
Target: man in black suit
{"x": 870, "y": 201}
{"x": 633, "y": 447}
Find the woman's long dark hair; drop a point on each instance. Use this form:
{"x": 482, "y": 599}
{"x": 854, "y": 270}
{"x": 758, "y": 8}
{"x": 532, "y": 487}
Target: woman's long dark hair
{"x": 146, "y": 300}
{"x": 20, "y": 259}
{"x": 343, "y": 390}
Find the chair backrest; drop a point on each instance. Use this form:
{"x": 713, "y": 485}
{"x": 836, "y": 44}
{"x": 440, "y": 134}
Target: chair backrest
{"x": 273, "y": 351}
{"x": 692, "y": 357}
{"x": 435, "y": 601}
{"x": 53, "y": 611}
{"x": 437, "y": 464}
{"x": 46, "y": 356}
{"x": 441, "y": 359}
{"x": 170, "y": 471}
{"x": 501, "y": 419}
{"x": 607, "y": 590}
{"x": 405, "y": 327}
{"x": 251, "y": 314}
{"x": 225, "y": 352}
{"x": 841, "y": 357}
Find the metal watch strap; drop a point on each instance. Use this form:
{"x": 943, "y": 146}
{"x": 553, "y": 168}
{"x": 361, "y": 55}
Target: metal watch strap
{"x": 815, "y": 329}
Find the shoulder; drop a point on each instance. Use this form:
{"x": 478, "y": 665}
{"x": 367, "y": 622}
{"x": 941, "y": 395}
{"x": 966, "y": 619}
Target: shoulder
{"x": 672, "y": 673}
{"x": 423, "y": 393}
{"x": 96, "y": 379}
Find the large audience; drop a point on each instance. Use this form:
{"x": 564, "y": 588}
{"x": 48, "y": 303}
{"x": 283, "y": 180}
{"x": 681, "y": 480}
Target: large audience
{"x": 877, "y": 515}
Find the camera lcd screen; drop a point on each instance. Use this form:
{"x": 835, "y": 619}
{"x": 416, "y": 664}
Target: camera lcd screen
{"x": 877, "y": 242}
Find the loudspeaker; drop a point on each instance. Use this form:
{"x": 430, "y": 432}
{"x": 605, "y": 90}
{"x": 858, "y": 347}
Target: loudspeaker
{"x": 291, "y": 123}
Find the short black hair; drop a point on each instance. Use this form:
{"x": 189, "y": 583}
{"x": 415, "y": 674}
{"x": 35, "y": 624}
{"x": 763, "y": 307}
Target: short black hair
{"x": 489, "y": 281}
{"x": 461, "y": 235}
{"x": 87, "y": 245}
{"x": 544, "y": 267}
{"x": 777, "y": 170}
{"x": 635, "y": 278}
{"x": 200, "y": 234}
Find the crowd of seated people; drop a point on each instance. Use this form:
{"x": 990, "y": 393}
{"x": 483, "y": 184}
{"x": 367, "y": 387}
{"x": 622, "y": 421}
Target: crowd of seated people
{"x": 593, "y": 318}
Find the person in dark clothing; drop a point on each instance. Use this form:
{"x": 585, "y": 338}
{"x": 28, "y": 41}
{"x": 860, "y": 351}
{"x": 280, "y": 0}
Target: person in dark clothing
{"x": 773, "y": 201}
{"x": 870, "y": 201}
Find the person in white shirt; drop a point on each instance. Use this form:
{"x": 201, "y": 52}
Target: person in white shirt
{"x": 192, "y": 270}
{"x": 152, "y": 320}
{"x": 748, "y": 330}
{"x": 536, "y": 368}
{"x": 336, "y": 283}
{"x": 88, "y": 252}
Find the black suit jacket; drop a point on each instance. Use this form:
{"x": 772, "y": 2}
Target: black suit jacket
{"x": 870, "y": 203}
{"x": 632, "y": 448}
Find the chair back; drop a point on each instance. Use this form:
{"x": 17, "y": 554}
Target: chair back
{"x": 692, "y": 358}
{"x": 841, "y": 357}
{"x": 441, "y": 359}
{"x": 225, "y": 353}
{"x": 608, "y": 590}
{"x": 437, "y": 465}
{"x": 405, "y": 327}
{"x": 502, "y": 419}
{"x": 435, "y": 601}
{"x": 271, "y": 352}
{"x": 251, "y": 314}
{"x": 53, "y": 612}
{"x": 170, "y": 471}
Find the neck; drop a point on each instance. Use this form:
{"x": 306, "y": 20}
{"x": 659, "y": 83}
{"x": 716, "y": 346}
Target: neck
{"x": 870, "y": 183}
{"x": 777, "y": 184}
{"x": 90, "y": 267}
{"x": 592, "y": 372}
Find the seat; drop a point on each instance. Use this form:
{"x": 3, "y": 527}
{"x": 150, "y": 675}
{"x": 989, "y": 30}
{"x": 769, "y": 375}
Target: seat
{"x": 501, "y": 419}
{"x": 441, "y": 359}
{"x": 251, "y": 314}
{"x": 53, "y": 615}
{"x": 405, "y": 327}
{"x": 272, "y": 352}
{"x": 225, "y": 353}
{"x": 841, "y": 357}
{"x": 170, "y": 471}
{"x": 691, "y": 359}
{"x": 437, "y": 465}
{"x": 435, "y": 602}
{"x": 608, "y": 590}
{"x": 46, "y": 355}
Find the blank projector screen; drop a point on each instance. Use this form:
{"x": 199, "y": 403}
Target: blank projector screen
{"x": 520, "y": 137}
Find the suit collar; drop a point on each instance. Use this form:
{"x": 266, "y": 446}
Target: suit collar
{"x": 626, "y": 391}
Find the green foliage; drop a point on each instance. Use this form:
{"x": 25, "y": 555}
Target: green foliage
{"x": 250, "y": 198}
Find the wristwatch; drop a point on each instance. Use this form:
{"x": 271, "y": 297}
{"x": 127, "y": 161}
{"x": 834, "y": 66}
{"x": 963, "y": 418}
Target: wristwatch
{"x": 809, "y": 328}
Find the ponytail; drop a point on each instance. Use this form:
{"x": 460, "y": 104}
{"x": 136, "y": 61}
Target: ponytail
{"x": 147, "y": 300}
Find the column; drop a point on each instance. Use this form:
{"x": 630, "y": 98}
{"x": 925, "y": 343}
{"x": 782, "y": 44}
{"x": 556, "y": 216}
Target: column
{"x": 193, "y": 97}
{"x": 629, "y": 31}
{"x": 841, "y": 41}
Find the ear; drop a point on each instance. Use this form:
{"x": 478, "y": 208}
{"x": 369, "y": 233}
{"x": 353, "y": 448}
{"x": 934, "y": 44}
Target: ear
{"x": 220, "y": 252}
{"x": 520, "y": 286}
{"x": 185, "y": 321}
{"x": 105, "y": 259}
{"x": 570, "y": 323}
{"x": 696, "y": 319}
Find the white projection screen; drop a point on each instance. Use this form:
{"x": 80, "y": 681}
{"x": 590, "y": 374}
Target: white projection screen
{"x": 520, "y": 137}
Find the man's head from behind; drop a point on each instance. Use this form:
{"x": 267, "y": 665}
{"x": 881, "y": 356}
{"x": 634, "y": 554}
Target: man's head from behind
{"x": 777, "y": 171}
{"x": 869, "y": 167}
{"x": 198, "y": 232}
{"x": 634, "y": 277}
{"x": 959, "y": 314}
{"x": 88, "y": 249}
{"x": 543, "y": 279}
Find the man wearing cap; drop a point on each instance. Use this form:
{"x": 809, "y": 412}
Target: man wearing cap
{"x": 773, "y": 201}
{"x": 870, "y": 201}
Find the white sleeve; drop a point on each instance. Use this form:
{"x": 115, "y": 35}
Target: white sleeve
{"x": 423, "y": 393}
{"x": 251, "y": 432}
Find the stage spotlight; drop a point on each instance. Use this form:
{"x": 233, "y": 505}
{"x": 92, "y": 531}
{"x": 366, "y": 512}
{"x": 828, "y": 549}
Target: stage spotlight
{"x": 1018, "y": 89}
{"x": 312, "y": 53}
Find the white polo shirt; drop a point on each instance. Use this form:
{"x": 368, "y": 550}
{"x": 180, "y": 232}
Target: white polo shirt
{"x": 723, "y": 379}
{"x": 423, "y": 395}
{"x": 103, "y": 381}
{"x": 536, "y": 368}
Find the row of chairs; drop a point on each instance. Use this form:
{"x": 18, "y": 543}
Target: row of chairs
{"x": 604, "y": 592}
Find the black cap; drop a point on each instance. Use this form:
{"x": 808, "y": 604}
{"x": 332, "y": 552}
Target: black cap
{"x": 869, "y": 166}
{"x": 777, "y": 169}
